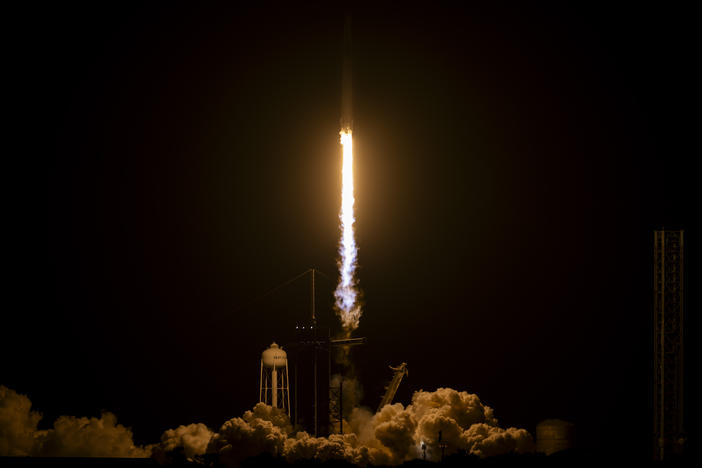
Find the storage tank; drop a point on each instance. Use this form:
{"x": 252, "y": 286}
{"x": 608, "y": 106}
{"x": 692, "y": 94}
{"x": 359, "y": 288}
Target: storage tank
{"x": 554, "y": 435}
{"x": 274, "y": 356}
{"x": 274, "y": 365}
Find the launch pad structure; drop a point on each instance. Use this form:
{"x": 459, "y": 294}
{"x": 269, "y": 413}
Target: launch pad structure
{"x": 310, "y": 338}
{"x": 669, "y": 435}
{"x": 310, "y": 342}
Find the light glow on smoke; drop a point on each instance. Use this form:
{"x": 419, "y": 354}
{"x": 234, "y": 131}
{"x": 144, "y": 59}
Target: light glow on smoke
{"x": 392, "y": 436}
{"x": 346, "y": 294}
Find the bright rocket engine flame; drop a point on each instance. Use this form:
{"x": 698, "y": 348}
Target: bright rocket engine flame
{"x": 347, "y": 306}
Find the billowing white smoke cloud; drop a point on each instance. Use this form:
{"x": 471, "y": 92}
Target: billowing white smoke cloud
{"x": 192, "y": 439}
{"x": 88, "y": 437}
{"x": 487, "y": 441}
{"x": 70, "y": 436}
{"x": 352, "y": 392}
{"x": 264, "y": 429}
{"x": 18, "y": 423}
{"x": 464, "y": 423}
{"x": 391, "y": 436}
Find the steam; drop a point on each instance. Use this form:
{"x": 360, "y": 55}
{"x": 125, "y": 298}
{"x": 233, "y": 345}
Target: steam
{"x": 352, "y": 392}
{"x": 69, "y": 437}
{"x": 88, "y": 437}
{"x": 191, "y": 439}
{"x": 390, "y": 437}
{"x": 18, "y": 424}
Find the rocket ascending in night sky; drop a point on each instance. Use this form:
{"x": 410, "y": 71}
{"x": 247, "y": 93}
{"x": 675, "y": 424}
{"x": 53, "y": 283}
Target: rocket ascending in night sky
{"x": 346, "y": 293}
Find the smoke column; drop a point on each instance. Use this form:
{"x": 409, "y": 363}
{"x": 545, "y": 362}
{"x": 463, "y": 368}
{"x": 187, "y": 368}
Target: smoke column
{"x": 346, "y": 294}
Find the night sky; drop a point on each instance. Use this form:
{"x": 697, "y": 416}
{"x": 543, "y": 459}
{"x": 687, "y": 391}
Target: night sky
{"x": 165, "y": 167}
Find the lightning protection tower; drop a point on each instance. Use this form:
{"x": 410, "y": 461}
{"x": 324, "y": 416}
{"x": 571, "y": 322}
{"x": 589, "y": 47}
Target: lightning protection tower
{"x": 274, "y": 389}
{"x": 668, "y": 344}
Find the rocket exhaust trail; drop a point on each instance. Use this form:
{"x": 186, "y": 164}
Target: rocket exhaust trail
{"x": 346, "y": 295}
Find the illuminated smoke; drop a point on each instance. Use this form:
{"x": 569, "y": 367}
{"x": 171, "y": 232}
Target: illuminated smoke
{"x": 88, "y": 437}
{"x": 69, "y": 437}
{"x": 192, "y": 440}
{"x": 346, "y": 294}
{"x": 18, "y": 424}
{"x": 390, "y": 437}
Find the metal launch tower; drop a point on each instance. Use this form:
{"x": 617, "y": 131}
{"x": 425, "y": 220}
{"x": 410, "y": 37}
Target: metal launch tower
{"x": 668, "y": 344}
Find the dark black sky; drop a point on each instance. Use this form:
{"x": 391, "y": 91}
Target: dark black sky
{"x": 169, "y": 165}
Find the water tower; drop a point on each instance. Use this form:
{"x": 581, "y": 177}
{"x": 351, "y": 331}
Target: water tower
{"x": 275, "y": 387}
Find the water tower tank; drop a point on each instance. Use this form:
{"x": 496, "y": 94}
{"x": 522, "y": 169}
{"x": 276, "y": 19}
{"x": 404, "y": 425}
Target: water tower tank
{"x": 274, "y": 389}
{"x": 274, "y": 356}
{"x": 554, "y": 435}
